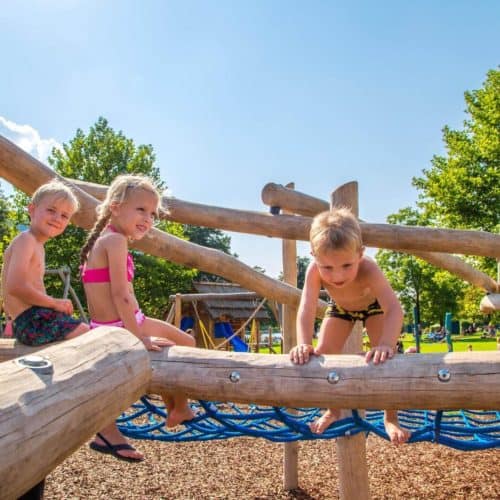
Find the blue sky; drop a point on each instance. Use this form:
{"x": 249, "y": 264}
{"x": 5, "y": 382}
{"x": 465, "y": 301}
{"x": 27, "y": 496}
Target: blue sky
{"x": 235, "y": 94}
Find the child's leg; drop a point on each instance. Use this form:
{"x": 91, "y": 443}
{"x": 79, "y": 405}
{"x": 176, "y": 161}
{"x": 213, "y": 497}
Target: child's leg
{"x": 177, "y": 404}
{"x": 79, "y": 330}
{"x": 157, "y": 328}
{"x": 397, "y": 435}
{"x": 332, "y": 336}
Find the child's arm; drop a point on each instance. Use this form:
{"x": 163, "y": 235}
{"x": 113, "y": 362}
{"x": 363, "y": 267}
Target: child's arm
{"x": 23, "y": 275}
{"x": 123, "y": 299}
{"x": 393, "y": 316}
{"x": 305, "y": 316}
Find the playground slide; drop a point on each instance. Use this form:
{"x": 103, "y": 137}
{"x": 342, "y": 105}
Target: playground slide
{"x": 225, "y": 329}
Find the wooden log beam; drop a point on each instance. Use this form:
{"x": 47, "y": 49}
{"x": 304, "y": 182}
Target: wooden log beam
{"x": 185, "y": 297}
{"x": 406, "y": 381}
{"x": 46, "y": 417}
{"x": 296, "y": 227}
{"x": 277, "y": 195}
{"x": 11, "y": 348}
{"x": 490, "y": 303}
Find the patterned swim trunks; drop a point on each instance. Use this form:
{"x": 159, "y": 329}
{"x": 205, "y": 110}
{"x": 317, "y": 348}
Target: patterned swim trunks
{"x": 335, "y": 311}
{"x": 41, "y": 325}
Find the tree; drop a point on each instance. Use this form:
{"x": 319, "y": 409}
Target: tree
{"x": 99, "y": 156}
{"x": 6, "y": 225}
{"x": 211, "y": 238}
{"x": 462, "y": 189}
{"x": 7, "y": 232}
{"x": 302, "y": 263}
{"x": 431, "y": 291}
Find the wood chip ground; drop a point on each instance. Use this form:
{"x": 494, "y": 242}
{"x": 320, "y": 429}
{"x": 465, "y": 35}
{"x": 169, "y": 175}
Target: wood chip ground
{"x": 246, "y": 468}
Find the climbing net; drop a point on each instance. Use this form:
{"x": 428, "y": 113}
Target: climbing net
{"x": 461, "y": 429}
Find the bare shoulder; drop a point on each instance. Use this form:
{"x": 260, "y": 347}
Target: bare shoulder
{"x": 312, "y": 272}
{"x": 22, "y": 242}
{"x": 368, "y": 267}
{"x": 114, "y": 244}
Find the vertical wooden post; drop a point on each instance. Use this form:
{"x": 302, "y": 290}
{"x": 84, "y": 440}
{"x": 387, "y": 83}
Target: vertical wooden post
{"x": 351, "y": 450}
{"x": 290, "y": 450}
{"x": 178, "y": 310}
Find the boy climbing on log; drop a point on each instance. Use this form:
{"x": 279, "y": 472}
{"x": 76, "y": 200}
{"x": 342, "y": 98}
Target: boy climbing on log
{"x": 358, "y": 290}
{"x": 38, "y": 318}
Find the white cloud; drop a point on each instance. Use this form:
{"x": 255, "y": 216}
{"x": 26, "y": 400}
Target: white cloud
{"x": 28, "y": 138}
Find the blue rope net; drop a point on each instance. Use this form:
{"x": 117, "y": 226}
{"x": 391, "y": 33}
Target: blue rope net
{"x": 465, "y": 430}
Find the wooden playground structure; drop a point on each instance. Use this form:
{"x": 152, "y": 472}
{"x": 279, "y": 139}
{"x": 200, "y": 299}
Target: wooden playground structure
{"x": 84, "y": 383}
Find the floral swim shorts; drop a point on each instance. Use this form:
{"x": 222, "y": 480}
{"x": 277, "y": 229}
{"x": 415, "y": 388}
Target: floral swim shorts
{"x": 41, "y": 325}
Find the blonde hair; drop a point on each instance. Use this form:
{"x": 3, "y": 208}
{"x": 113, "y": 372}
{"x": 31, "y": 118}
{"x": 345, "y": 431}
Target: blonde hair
{"x": 119, "y": 191}
{"x": 335, "y": 230}
{"x": 58, "y": 190}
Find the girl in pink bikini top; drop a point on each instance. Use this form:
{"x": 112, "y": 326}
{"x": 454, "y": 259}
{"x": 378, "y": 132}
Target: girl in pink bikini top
{"x": 101, "y": 274}
{"x": 129, "y": 209}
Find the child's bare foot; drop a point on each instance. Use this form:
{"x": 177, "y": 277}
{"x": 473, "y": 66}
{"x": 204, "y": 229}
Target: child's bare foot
{"x": 178, "y": 415}
{"x": 322, "y": 423}
{"x": 397, "y": 434}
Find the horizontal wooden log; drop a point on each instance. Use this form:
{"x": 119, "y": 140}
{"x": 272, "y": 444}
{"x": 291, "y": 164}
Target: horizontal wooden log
{"x": 406, "y": 381}
{"x": 390, "y": 236}
{"x": 490, "y": 303}
{"x": 296, "y": 227}
{"x": 46, "y": 417}
{"x": 11, "y": 348}
{"x": 277, "y": 195}
{"x": 186, "y": 297}
{"x": 459, "y": 268}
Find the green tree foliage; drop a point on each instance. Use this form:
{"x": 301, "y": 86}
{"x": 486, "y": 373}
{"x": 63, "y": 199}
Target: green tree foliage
{"x": 302, "y": 263}
{"x": 418, "y": 284}
{"x": 7, "y": 227}
{"x": 462, "y": 189}
{"x": 99, "y": 156}
{"x": 211, "y": 238}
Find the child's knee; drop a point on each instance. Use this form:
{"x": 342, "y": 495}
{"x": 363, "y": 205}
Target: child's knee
{"x": 79, "y": 330}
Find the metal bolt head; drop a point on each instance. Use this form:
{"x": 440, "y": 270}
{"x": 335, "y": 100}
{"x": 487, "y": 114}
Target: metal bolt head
{"x": 38, "y": 364}
{"x": 333, "y": 377}
{"x": 444, "y": 375}
{"x": 234, "y": 377}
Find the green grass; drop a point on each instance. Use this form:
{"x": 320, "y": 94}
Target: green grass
{"x": 460, "y": 344}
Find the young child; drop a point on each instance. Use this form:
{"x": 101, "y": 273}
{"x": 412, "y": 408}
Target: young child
{"x": 127, "y": 214}
{"x": 38, "y": 318}
{"x": 358, "y": 291}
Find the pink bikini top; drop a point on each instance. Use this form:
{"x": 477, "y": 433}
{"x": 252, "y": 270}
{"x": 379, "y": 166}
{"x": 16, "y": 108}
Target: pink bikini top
{"x": 101, "y": 274}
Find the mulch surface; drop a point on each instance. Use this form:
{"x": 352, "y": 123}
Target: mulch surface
{"x": 246, "y": 468}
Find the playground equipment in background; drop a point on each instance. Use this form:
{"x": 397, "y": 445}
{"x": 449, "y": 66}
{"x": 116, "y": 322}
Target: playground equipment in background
{"x": 225, "y": 329}
{"x": 214, "y": 303}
